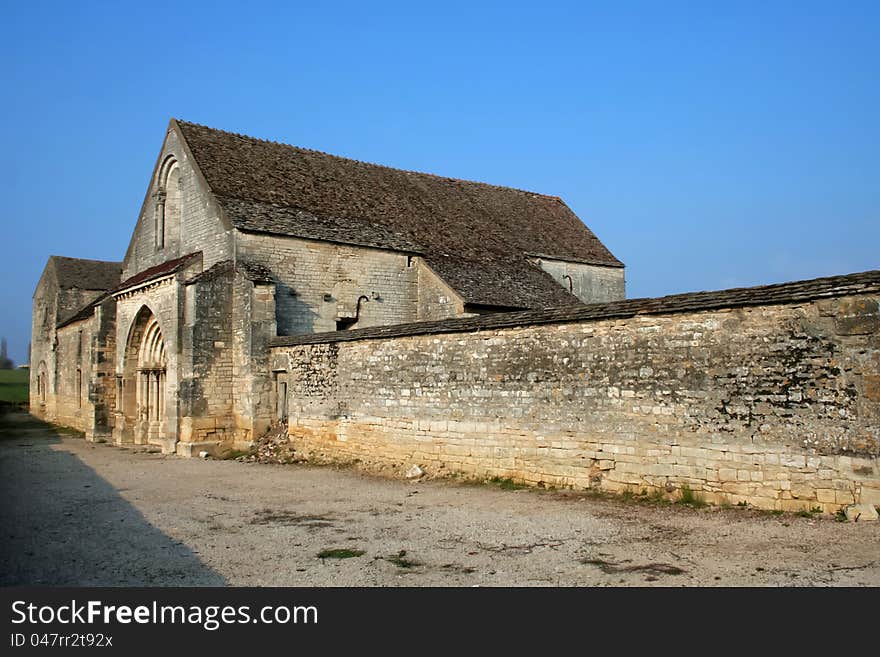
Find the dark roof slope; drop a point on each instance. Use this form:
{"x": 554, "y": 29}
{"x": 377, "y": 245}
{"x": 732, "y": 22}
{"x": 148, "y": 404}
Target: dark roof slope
{"x": 474, "y": 235}
{"x": 796, "y": 292}
{"x": 158, "y": 271}
{"x": 164, "y": 269}
{"x": 83, "y": 313}
{"x": 86, "y": 274}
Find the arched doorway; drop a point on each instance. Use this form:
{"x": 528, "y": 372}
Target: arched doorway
{"x": 144, "y": 389}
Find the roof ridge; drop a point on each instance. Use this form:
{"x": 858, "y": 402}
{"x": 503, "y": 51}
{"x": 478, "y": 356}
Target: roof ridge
{"x": 108, "y": 262}
{"x": 372, "y": 164}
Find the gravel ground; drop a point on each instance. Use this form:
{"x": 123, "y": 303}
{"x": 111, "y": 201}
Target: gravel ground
{"x": 76, "y": 513}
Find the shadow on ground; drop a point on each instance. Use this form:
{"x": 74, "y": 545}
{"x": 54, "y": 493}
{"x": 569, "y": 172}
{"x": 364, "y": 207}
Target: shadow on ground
{"x": 63, "y": 525}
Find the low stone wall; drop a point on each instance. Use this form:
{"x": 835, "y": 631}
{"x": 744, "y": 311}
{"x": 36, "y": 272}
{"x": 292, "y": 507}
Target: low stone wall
{"x": 768, "y": 396}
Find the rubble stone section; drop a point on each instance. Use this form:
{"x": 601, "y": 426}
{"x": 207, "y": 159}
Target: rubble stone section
{"x": 775, "y": 404}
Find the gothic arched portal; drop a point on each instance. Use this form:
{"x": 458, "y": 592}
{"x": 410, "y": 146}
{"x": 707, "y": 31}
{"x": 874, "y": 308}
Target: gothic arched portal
{"x": 144, "y": 388}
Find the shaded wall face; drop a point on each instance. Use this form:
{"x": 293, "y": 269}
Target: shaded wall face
{"x": 777, "y": 405}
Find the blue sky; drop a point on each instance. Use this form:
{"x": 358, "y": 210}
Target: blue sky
{"x": 708, "y": 144}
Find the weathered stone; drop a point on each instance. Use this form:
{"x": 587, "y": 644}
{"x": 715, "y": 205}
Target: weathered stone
{"x": 587, "y": 434}
{"x": 857, "y": 317}
{"x": 414, "y": 472}
{"x": 861, "y": 513}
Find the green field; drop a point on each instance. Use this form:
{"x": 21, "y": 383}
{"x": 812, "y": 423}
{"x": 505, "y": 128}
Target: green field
{"x": 14, "y": 385}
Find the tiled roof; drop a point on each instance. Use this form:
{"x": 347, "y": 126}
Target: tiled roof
{"x": 145, "y": 276}
{"x": 474, "y": 235}
{"x": 86, "y": 274}
{"x": 250, "y": 270}
{"x": 164, "y": 269}
{"x": 799, "y": 291}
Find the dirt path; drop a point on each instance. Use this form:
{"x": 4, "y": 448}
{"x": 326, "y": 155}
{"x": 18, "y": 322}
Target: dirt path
{"x": 76, "y": 513}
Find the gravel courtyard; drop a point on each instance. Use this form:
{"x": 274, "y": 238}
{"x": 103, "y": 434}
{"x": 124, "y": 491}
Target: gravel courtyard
{"x": 76, "y": 513}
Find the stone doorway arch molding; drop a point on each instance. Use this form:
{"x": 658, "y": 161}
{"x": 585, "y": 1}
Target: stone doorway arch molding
{"x": 151, "y": 383}
{"x": 146, "y": 403}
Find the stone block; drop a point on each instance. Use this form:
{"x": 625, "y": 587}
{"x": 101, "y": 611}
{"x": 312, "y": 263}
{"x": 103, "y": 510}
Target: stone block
{"x": 725, "y": 474}
{"x": 826, "y": 496}
{"x": 861, "y": 513}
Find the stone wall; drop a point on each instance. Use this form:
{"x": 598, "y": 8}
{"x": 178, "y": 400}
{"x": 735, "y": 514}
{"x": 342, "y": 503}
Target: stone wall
{"x": 72, "y": 405}
{"x": 42, "y": 352}
{"x": 206, "y": 390}
{"x": 85, "y": 394}
{"x": 768, "y": 396}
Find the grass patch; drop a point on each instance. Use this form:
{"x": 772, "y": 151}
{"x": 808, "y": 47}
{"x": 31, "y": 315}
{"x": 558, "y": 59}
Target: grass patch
{"x": 611, "y": 568}
{"x": 808, "y": 514}
{"x": 691, "y": 499}
{"x": 339, "y": 553}
{"x": 400, "y": 560}
{"x": 506, "y": 483}
{"x": 840, "y": 516}
{"x": 14, "y": 386}
{"x": 656, "y": 496}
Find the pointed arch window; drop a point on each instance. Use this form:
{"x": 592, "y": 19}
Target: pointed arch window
{"x": 168, "y": 203}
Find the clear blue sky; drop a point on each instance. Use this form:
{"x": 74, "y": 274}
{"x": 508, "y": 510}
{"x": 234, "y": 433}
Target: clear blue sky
{"x": 708, "y": 144}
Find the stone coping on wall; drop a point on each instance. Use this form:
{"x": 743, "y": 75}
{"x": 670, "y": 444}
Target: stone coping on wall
{"x": 782, "y": 293}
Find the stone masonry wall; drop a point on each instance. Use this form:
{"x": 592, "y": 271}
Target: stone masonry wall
{"x": 776, "y": 405}
{"x": 320, "y": 283}
{"x": 73, "y": 407}
{"x": 206, "y": 391}
{"x": 85, "y": 394}
{"x": 253, "y": 327}
{"x": 50, "y": 306}
{"x": 42, "y": 353}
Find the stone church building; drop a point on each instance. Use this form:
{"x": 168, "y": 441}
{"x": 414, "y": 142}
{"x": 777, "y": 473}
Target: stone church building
{"x": 241, "y": 240}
